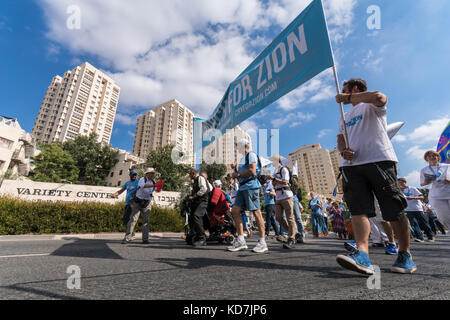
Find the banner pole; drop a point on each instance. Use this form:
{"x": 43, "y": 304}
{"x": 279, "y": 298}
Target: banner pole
{"x": 336, "y": 80}
{"x": 341, "y": 107}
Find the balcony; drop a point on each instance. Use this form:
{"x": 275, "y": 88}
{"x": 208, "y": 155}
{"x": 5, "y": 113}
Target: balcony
{"x": 18, "y": 156}
{"x": 26, "y": 138}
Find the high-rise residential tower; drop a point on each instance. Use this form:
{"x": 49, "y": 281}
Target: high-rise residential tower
{"x": 168, "y": 123}
{"x": 82, "y": 101}
{"x": 224, "y": 150}
{"x": 315, "y": 169}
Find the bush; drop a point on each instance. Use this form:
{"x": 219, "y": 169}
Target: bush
{"x": 24, "y": 217}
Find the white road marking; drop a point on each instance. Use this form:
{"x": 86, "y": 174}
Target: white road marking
{"x": 26, "y": 255}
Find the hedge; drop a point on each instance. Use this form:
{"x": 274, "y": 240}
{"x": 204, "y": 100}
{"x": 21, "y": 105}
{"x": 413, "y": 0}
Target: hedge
{"x": 24, "y": 217}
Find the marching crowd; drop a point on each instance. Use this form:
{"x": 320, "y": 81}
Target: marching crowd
{"x": 376, "y": 203}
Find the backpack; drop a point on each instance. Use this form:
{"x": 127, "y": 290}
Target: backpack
{"x": 258, "y": 175}
{"x": 293, "y": 182}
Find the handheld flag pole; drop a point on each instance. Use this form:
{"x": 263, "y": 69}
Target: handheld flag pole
{"x": 336, "y": 80}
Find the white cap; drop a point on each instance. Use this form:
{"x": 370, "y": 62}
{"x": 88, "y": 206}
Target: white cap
{"x": 243, "y": 142}
{"x": 218, "y": 183}
{"x": 149, "y": 170}
{"x": 276, "y": 159}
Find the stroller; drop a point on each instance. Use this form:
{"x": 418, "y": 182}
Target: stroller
{"x": 217, "y": 219}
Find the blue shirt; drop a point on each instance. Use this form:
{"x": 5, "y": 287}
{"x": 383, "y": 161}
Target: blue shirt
{"x": 268, "y": 198}
{"x": 315, "y": 210}
{"x": 131, "y": 187}
{"x": 253, "y": 184}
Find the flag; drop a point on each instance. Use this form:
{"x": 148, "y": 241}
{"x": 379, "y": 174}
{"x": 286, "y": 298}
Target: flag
{"x": 337, "y": 183}
{"x": 443, "y": 147}
{"x": 298, "y": 53}
{"x": 159, "y": 185}
{"x": 393, "y": 128}
{"x": 265, "y": 162}
{"x": 295, "y": 169}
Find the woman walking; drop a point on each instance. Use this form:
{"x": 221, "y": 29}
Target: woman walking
{"x": 438, "y": 176}
{"x": 338, "y": 220}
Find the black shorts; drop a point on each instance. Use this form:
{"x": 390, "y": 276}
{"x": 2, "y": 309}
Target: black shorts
{"x": 379, "y": 179}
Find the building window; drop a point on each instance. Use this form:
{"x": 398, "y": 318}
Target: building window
{"x": 112, "y": 174}
{"x": 118, "y": 183}
{"x": 5, "y": 143}
{"x": 120, "y": 172}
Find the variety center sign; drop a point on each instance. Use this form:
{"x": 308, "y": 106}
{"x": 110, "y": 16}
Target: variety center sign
{"x": 53, "y": 192}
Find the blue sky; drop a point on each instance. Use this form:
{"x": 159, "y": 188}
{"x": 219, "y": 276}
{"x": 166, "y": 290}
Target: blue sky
{"x": 192, "y": 50}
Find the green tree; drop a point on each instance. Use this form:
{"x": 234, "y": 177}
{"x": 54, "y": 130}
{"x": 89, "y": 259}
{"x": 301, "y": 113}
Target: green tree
{"x": 93, "y": 159}
{"x": 215, "y": 171}
{"x": 54, "y": 164}
{"x": 173, "y": 174}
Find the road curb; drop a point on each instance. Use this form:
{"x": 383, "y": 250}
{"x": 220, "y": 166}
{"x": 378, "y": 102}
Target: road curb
{"x": 87, "y": 236}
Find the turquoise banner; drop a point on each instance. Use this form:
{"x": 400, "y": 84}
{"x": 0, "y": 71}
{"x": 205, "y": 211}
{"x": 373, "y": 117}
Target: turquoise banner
{"x": 298, "y": 54}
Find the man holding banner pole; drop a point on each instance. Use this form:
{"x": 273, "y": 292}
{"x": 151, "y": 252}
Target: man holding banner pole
{"x": 369, "y": 168}
{"x": 299, "y": 53}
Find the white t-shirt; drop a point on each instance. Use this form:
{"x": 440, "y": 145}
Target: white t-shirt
{"x": 413, "y": 205}
{"x": 234, "y": 192}
{"x": 438, "y": 174}
{"x": 284, "y": 175}
{"x": 325, "y": 206}
{"x": 144, "y": 193}
{"x": 367, "y": 135}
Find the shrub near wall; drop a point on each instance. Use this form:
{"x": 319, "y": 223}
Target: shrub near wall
{"x": 24, "y": 217}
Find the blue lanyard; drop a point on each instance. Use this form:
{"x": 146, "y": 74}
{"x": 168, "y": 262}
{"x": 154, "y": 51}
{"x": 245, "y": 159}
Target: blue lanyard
{"x": 435, "y": 173}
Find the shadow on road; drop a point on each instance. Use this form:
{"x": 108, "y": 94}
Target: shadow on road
{"x": 196, "y": 263}
{"x": 87, "y": 249}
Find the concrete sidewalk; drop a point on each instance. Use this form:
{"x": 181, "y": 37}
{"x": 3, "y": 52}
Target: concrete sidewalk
{"x": 105, "y": 236}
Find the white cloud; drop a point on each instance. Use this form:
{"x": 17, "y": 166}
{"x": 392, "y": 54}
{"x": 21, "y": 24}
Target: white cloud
{"x": 315, "y": 90}
{"x": 249, "y": 126}
{"x": 324, "y": 132}
{"x": 189, "y": 50}
{"x": 413, "y": 178}
{"x": 125, "y": 119}
{"x": 417, "y": 152}
{"x": 293, "y": 119}
{"x": 426, "y": 133}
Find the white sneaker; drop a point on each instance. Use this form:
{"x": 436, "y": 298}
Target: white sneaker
{"x": 260, "y": 247}
{"x": 237, "y": 246}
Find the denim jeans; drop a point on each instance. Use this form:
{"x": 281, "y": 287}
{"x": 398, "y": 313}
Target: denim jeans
{"x": 298, "y": 218}
{"x": 317, "y": 224}
{"x": 417, "y": 219}
{"x": 270, "y": 220}
{"x": 435, "y": 224}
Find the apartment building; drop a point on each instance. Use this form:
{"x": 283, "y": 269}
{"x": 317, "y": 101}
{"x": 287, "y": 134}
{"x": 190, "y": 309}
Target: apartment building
{"x": 315, "y": 169}
{"x": 119, "y": 174}
{"x": 16, "y": 148}
{"x": 167, "y": 123}
{"x": 82, "y": 101}
{"x": 336, "y": 159}
{"x": 224, "y": 149}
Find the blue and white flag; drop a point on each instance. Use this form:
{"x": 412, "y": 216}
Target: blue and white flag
{"x": 299, "y": 53}
{"x": 443, "y": 147}
{"x": 295, "y": 169}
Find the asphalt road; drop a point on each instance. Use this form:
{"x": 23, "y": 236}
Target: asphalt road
{"x": 37, "y": 268}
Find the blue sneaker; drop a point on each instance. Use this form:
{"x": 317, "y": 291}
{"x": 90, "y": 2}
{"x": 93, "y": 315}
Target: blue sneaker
{"x": 404, "y": 263}
{"x": 392, "y": 249}
{"x": 358, "y": 261}
{"x": 350, "y": 246}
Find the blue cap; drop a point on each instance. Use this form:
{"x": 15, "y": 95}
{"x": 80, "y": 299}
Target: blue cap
{"x": 133, "y": 172}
